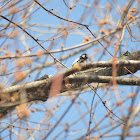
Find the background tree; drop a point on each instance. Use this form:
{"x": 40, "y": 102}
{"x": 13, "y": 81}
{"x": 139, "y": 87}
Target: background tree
{"x": 43, "y": 96}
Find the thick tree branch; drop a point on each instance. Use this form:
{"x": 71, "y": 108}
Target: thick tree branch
{"x": 71, "y": 79}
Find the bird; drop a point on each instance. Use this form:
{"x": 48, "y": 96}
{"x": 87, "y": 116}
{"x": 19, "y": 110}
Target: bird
{"x": 83, "y": 58}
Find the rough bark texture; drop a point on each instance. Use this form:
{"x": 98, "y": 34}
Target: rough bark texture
{"x": 73, "y": 78}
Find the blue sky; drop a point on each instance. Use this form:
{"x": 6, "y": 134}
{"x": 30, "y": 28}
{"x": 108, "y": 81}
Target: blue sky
{"x": 61, "y": 103}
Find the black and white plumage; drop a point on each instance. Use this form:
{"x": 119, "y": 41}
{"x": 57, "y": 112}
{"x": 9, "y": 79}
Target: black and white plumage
{"x": 81, "y": 59}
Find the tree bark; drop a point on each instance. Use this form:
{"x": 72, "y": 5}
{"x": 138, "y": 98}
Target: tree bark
{"x": 71, "y": 79}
